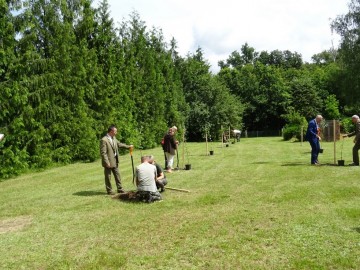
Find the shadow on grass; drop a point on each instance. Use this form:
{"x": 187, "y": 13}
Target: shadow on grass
{"x": 356, "y": 229}
{"x": 261, "y": 162}
{"x": 89, "y": 193}
{"x": 293, "y": 164}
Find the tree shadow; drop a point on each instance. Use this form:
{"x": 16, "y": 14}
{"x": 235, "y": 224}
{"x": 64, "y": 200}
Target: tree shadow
{"x": 87, "y": 193}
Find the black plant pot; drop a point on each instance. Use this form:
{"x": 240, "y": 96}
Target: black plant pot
{"x": 187, "y": 167}
{"x": 341, "y": 162}
{"x": 211, "y": 152}
{"x": 227, "y": 145}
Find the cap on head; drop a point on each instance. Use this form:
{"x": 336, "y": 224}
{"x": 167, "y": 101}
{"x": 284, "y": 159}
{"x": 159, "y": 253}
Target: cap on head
{"x": 174, "y": 128}
{"x": 355, "y": 116}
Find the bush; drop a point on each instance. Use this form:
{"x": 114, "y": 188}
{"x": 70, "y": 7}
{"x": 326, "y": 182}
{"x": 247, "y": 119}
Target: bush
{"x": 346, "y": 125}
{"x": 292, "y": 130}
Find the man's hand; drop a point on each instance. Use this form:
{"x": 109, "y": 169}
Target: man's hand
{"x": 345, "y": 135}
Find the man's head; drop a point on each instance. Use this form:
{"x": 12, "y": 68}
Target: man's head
{"x": 318, "y": 118}
{"x": 112, "y": 130}
{"x": 354, "y": 118}
{"x": 144, "y": 159}
{"x": 151, "y": 159}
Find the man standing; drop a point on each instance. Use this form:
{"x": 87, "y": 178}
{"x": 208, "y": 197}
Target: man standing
{"x": 355, "y": 151}
{"x": 170, "y": 146}
{"x": 313, "y": 136}
{"x": 146, "y": 181}
{"x": 109, "y": 151}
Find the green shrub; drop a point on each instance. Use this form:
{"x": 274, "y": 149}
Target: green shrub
{"x": 292, "y": 131}
{"x": 295, "y": 122}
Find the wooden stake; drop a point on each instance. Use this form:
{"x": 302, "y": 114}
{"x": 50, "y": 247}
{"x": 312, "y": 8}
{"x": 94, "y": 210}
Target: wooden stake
{"x": 334, "y": 131}
{"x": 207, "y": 147}
{"x": 178, "y": 189}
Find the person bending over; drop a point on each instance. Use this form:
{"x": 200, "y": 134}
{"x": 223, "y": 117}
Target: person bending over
{"x": 161, "y": 180}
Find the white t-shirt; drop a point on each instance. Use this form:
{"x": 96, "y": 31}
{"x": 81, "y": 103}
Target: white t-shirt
{"x": 146, "y": 175}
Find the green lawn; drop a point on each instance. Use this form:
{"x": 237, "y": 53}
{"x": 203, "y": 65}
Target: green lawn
{"x": 257, "y": 204}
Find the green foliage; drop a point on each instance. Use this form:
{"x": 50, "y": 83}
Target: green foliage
{"x": 331, "y": 108}
{"x": 263, "y": 92}
{"x": 346, "y": 125}
{"x": 291, "y": 131}
{"x": 305, "y": 96}
{"x": 295, "y": 126}
{"x": 67, "y": 73}
{"x": 347, "y": 26}
{"x": 212, "y": 105}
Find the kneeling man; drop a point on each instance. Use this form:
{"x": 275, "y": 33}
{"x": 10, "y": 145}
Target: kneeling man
{"x": 146, "y": 181}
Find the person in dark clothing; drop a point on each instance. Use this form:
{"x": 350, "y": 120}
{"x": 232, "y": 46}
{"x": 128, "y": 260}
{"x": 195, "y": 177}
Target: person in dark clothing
{"x": 355, "y": 151}
{"x": 161, "y": 180}
{"x": 169, "y": 147}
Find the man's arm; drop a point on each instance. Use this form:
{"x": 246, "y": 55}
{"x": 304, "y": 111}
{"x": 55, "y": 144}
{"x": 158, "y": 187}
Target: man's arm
{"x": 137, "y": 177}
{"x": 103, "y": 153}
{"x": 123, "y": 145}
{"x": 159, "y": 172}
{"x": 357, "y": 132}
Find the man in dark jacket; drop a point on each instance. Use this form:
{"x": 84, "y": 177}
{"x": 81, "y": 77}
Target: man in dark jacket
{"x": 355, "y": 151}
{"x": 161, "y": 181}
{"x": 170, "y": 146}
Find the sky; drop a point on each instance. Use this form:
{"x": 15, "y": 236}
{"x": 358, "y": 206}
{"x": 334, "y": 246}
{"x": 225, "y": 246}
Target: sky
{"x": 221, "y": 27}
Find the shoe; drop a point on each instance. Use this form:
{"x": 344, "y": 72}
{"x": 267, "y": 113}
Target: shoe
{"x": 121, "y": 191}
{"x": 315, "y": 164}
{"x": 353, "y": 164}
{"x": 111, "y": 193}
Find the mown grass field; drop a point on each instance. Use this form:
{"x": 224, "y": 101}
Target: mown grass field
{"x": 256, "y": 204}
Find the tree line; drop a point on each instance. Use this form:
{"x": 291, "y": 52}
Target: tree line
{"x": 67, "y": 72}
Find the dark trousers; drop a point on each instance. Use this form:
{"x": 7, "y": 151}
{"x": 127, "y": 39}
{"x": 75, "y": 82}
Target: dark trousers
{"x": 160, "y": 184}
{"x": 116, "y": 173}
{"x": 355, "y": 152}
{"x": 315, "y": 149}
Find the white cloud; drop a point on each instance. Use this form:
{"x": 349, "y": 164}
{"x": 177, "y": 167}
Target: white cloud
{"x": 221, "y": 27}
